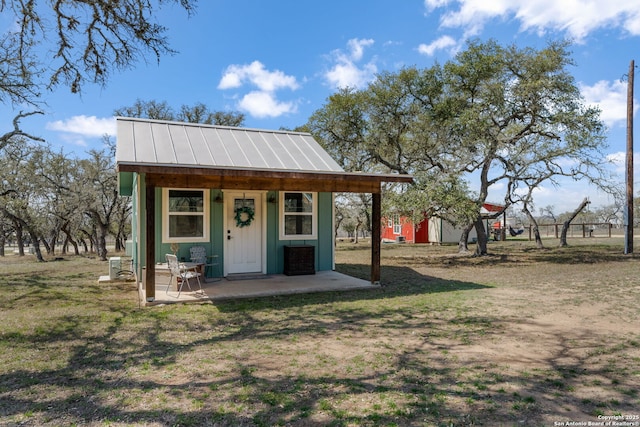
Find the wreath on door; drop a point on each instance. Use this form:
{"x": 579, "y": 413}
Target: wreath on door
{"x": 244, "y": 216}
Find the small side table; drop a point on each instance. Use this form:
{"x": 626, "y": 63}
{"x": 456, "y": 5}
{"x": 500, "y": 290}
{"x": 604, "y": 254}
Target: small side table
{"x": 299, "y": 260}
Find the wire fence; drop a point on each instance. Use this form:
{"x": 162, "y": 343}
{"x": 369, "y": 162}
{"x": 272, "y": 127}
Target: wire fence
{"x": 580, "y": 230}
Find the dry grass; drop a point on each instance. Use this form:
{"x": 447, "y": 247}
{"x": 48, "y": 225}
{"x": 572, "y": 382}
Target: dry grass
{"x": 520, "y": 337}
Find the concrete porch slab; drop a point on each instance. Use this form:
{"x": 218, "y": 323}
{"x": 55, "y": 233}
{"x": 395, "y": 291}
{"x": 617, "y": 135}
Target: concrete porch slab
{"x": 264, "y": 286}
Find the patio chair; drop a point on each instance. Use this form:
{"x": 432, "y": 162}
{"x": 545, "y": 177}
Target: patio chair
{"x": 199, "y": 256}
{"x": 182, "y": 274}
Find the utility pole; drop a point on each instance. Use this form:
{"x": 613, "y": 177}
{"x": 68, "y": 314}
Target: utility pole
{"x": 628, "y": 233}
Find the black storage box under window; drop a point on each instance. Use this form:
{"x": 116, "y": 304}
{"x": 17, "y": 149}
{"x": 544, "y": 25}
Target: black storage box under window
{"x": 299, "y": 260}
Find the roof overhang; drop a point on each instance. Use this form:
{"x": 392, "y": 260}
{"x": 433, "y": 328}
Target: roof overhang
{"x": 261, "y": 179}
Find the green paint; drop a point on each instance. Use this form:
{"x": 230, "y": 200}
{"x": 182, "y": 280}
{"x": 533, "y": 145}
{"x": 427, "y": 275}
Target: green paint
{"x": 126, "y": 183}
{"x": 324, "y": 252}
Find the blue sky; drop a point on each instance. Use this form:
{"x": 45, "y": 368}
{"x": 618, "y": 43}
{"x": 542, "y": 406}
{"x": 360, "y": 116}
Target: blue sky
{"x": 277, "y": 62}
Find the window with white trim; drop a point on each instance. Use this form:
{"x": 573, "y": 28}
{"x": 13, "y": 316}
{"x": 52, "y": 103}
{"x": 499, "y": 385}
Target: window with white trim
{"x": 185, "y": 215}
{"x": 298, "y": 215}
{"x": 397, "y": 226}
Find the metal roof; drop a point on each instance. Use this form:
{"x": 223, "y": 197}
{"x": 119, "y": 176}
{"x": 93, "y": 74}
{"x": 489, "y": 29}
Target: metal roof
{"x": 165, "y": 143}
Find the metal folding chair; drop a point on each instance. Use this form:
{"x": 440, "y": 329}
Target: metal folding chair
{"x": 181, "y": 273}
{"x": 199, "y": 255}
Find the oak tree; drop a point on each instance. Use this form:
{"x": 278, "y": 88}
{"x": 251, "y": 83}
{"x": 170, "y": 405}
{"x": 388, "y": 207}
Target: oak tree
{"x": 495, "y": 119}
{"x": 71, "y": 43}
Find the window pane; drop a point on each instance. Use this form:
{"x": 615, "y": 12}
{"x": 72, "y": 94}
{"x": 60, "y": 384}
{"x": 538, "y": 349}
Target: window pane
{"x": 298, "y": 202}
{"x": 241, "y": 203}
{"x": 186, "y": 226}
{"x": 295, "y": 225}
{"x": 186, "y": 201}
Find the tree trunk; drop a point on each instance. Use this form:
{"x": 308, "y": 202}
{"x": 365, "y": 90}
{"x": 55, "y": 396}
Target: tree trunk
{"x": 335, "y": 231}
{"x": 48, "y": 247}
{"x": 4, "y": 233}
{"x": 565, "y": 225}
{"x": 36, "y": 247}
{"x": 65, "y": 246}
{"x": 481, "y": 247}
{"x": 102, "y": 241}
{"x": 536, "y": 229}
{"x": 53, "y": 242}
{"x": 19, "y": 238}
{"x": 463, "y": 244}
{"x": 358, "y": 225}
{"x": 92, "y": 236}
{"x": 76, "y": 251}
{"x": 84, "y": 245}
{"x": 65, "y": 229}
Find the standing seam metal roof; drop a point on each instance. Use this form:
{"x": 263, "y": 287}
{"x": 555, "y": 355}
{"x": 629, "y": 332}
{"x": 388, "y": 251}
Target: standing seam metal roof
{"x": 154, "y": 142}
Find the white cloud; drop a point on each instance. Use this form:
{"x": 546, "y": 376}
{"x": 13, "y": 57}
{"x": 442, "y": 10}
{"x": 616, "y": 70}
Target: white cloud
{"x": 231, "y": 79}
{"x": 257, "y": 75}
{"x": 610, "y": 97}
{"x": 619, "y": 162}
{"x": 346, "y": 72}
{"x": 443, "y": 42}
{"x": 542, "y": 15}
{"x": 349, "y": 75}
{"x": 433, "y": 4}
{"x": 263, "y": 104}
{"x": 472, "y": 14}
{"x": 356, "y": 47}
{"x": 87, "y": 126}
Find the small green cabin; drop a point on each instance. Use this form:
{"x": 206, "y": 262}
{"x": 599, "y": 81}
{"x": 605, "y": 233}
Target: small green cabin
{"x": 243, "y": 194}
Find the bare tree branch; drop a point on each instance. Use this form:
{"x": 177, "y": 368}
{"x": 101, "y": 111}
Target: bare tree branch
{"x": 17, "y": 132}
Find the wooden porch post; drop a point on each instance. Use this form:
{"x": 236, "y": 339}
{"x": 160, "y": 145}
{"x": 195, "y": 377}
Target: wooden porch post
{"x": 376, "y": 236}
{"x": 150, "y": 244}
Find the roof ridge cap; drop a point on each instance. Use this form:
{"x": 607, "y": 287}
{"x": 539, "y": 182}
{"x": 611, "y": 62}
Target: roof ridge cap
{"x": 190, "y": 124}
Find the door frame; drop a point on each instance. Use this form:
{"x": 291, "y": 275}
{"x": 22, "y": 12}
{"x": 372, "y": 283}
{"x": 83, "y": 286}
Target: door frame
{"x": 228, "y": 196}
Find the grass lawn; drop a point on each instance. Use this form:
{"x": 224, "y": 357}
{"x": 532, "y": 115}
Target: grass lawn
{"x": 520, "y": 337}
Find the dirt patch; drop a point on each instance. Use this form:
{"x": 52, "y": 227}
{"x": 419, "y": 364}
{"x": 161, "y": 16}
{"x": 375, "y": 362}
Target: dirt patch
{"x": 518, "y": 338}
{"x": 562, "y": 332}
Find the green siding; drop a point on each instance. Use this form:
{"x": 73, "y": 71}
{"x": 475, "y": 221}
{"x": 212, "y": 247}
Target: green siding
{"x": 273, "y": 258}
{"x": 216, "y": 227}
{"x": 125, "y": 183}
{"x": 324, "y": 252}
{"x": 135, "y": 225}
{"x": 323, "y": 244}
{"x": 143, "y": 220}
{"x": 325, "y": 232}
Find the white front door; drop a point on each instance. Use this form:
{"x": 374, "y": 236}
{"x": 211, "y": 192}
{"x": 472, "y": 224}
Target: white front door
{"x": 244, "y": 232}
